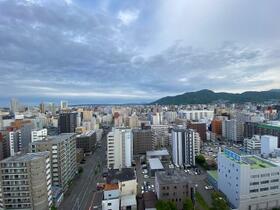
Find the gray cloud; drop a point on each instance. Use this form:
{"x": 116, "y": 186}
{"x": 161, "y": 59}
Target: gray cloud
{"x": 52, "y": 49}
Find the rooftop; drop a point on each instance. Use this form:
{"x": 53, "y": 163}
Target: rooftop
{"x": 155, "y": 163}
{"x": 111, "y": 187}
{"x": 26, "y": 157}
{"x": 116, "y": 175}
{"x": 162, "y": 152}
{"x": 269, "y": 126}
{"x": 87, "y": 134}
{"x": 257, "y": 163}
{"x": 172, "y": 177}
{"x": 56, "y": 139}
{"x": 128, "y": 200}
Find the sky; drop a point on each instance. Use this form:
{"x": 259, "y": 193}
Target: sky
{"x": 133, "y": 51}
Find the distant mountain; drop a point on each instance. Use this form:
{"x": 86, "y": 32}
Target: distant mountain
{"x": 209, "y": 96}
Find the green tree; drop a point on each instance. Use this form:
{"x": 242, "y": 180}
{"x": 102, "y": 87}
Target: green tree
{"x": 218, "y": 202}
{"x": 200, "y": 159}
{"x": 188, "y": 205}
{"x": 165, "y": 205}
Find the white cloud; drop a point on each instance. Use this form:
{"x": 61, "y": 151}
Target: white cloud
{"x": 127, "y": 17}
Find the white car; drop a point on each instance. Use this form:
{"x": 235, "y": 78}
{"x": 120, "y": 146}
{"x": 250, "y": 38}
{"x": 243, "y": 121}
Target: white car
{"x": 146, "y": 176}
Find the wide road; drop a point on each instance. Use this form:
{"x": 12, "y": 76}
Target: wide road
{"x": 80, "y": 194}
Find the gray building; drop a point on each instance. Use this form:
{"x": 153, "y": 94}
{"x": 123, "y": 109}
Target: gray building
{"x": 67, "y": 122}
{"x": 25, "y": 182}
{"x": 62, "y": 150}
{"x": 172, "y": 185}
{"x": 86, "y": 141}
{"x": 143, "y": 141}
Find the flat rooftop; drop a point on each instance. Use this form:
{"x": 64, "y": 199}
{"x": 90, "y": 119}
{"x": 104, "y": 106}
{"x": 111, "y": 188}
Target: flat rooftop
{"x": 56, "y": 139}
{"x": 87, "y": 133}
{"x": 116, "y": 175}
{"x": 269, "y": 126}
{"x": 172, "y": 177}
{"x": 25, "y": 157}
{"x": 162, "y": 152}
{"x": 155, "y": 163}
{"x": 257, "y": 163}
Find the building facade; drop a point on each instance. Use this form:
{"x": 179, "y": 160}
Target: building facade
{"x": 25, "y": 182}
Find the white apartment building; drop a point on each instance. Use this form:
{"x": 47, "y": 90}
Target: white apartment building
{"x": 268, "y": 144}
{"x": 232, "y": 130}
{"x": 62, "y": 150}
{"x": 39, "y": 135}
{"x": 15, "y": 142}
{"x": 253, "y": 145}
{"x": 25, "y": 182}
{"x": 183, "y": 146}
{"x": 249, "y": 182}
{"x": 196, "y": 115}
{"x": 119, "y": 148}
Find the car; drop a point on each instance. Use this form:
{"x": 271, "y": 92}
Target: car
{"x": 208, "y": 187}
{"x": 146, "y": 176}
{"x": 142, "y": 188}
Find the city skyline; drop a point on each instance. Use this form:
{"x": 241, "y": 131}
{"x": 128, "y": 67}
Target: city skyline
{"x": 126, "y": 52}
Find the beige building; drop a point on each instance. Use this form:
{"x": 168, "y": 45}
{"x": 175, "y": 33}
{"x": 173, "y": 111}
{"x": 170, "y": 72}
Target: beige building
{"x": 25, "y": 182}
{"x": 62, "y": 150}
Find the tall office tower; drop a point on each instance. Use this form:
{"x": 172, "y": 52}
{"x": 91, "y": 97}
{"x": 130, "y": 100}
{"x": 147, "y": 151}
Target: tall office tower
{"x": 39, "y": 135}
{"x": 248, "y": 181}
{"x": 62, "y": 150}
{"x": 42, "y": 107}
{"x": 51, "y": 108}
{"x": 63, "y": 105}
{"x": 200, "y": 128}
{"x": 142, "y": 141}
{"x": 119, "y": 148}
{"x": 160, "y": 135}
{"x": 232, "y": 130}
{"x": 14, "y": 105}
{"x": 25, "y": 182}
{"x": 67, "y": 122}
{"x": 183, "y": 146}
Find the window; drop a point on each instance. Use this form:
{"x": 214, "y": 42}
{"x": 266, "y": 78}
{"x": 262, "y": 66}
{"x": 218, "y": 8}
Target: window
{"x": 264, "y": 189}
{"x": 274, "y": 187}
{"x": 274, "y": 180}
{"x": 265, "y": 182}
{"x": 109, "y": 204}
{"x": 254, "y": 183}
{"x": 254, "y": 190}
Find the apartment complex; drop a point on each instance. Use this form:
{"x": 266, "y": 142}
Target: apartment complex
{"x": 62, "y": 150}
{"x": 25, "y": 182}
{"x": 232, "y": 130}
{"x": 249, "y": 182}
{"x": 184, "y": 143}
{"x": 39, "y": 135}
{"x": 253, "y": 145}
{"x": 119, "y": 148}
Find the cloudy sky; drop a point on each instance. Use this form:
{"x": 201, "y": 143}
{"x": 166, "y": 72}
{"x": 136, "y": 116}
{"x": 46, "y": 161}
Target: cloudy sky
{"x": 118, "y": 51}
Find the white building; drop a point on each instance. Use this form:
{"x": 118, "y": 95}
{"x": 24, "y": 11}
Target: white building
{"x": 39, "y": 135}
{"x": 119, "y": 148}
{"x": 15, "y": 142}
{"x": 253, "y": 145}
{"x": 196, "y": 115}
{"x": 248, "y": 181}
{"x": 183, "y": 146}
{"x": 232, "y": 130}
{"x": 157, "y": 119}
{"x": 268, "y": 144}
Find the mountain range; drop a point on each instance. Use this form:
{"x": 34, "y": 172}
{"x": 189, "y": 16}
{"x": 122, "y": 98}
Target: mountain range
{"x": 208, "y": 96}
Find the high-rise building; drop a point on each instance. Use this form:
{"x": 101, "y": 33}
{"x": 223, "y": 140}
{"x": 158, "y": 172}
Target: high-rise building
{"x": 63, "y": 105}
{"x": 160, "y": 135}
{"x": 25, "y": 182}
{"x": 42, "y": 107}
{"x": 119, "y": 148}
{"x": 200, "y": 128}
{"x": 15, "y": 142}
{"x": 248, "y": 181}
{"x": 67, "y": 122}
{"x": 183, "y": 146}
{"x": 142, "y": 141}
{"x": 232, "y": 130}
{"x": 268, "y": 144}
{"x": 39, "y": 135}
{"x": 62, "y": 150}
{"x": 217, "y": 126}
{"x": 86, "y": 141}
{"x": 14, "y": 105}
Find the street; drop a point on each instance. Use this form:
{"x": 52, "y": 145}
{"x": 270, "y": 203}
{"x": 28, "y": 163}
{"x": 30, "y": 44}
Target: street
{"x": 80, "y": 194}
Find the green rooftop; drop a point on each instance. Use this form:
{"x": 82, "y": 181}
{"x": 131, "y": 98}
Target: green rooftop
{"x": 269, "y": 126}
{"x": 257, "y": 163}
{"x": 213, "y": 173}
